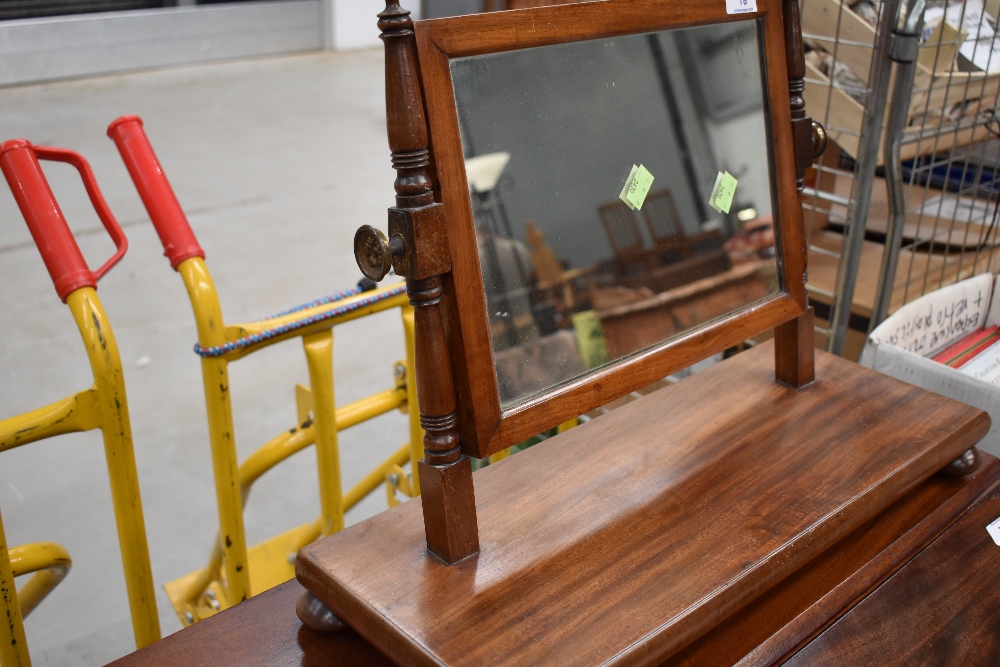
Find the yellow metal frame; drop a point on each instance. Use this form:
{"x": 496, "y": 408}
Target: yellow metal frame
{"x": 105, "y": 407}
{"x": 236, "y": 571}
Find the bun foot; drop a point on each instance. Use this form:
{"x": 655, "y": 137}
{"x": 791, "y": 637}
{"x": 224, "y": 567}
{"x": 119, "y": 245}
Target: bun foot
{"x": 316, "y": 615}
{"x": 966, "y": 464}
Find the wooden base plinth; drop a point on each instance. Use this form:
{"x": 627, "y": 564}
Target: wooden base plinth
{"x": 449, "y": 505}
{"x": 629, "y": 537}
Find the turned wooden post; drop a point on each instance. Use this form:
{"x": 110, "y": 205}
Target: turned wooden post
{"x": 795, "y": 56}
{"x": 418, "y": 243}
{"x": 794, "y": 345}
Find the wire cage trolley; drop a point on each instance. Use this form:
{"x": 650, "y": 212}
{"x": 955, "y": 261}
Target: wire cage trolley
{"x": 905, "y": 200}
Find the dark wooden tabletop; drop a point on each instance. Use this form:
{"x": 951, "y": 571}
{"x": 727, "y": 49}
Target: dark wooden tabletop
{"x": 940, "y": 609}
{"x": 261, "y": 632}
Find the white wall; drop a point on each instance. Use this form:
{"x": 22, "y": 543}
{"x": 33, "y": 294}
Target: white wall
{"x": 64, "y": 47}
{"x": 353, "y": 23}
{"x": 82, "y": 45}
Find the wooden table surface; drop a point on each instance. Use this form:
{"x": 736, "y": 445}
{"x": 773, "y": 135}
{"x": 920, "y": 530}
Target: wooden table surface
{"x": 261, "y": 632}
{"x": 943, "y": 608}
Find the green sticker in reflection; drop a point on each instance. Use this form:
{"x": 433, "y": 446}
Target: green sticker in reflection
{"x": 723, "y": 192}
{"x": 590, "y": 339}
{"x": 636, "y": 187}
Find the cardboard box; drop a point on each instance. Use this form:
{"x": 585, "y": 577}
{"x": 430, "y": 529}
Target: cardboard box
{"x": 829, "y": 21}
{"x": 935, "y": 91}
{"x": 902, "y": 345}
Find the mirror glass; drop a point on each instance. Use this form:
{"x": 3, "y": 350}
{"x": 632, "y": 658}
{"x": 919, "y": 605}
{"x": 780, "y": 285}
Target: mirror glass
{"x": 621, "y": 193}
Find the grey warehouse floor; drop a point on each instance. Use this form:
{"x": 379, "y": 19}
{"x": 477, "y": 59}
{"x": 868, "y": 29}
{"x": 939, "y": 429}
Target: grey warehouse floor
{"x": 276, "y": 162}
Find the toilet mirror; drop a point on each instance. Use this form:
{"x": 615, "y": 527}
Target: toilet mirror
{"x": 614, "y": 195}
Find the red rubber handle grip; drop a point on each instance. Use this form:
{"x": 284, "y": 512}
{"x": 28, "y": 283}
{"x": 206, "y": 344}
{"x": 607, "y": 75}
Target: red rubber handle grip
{"x": 62, "y": 256}
{"x": 179, "y": 242}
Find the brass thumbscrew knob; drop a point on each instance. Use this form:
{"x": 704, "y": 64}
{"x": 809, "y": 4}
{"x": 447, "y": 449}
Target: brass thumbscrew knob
{"x": 374, "y": 253}
{"x": 819, "y": 139}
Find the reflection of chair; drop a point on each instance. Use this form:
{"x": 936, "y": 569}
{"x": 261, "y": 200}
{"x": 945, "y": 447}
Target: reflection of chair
{"x": 547, "y": 266}
{"x": 695, "y": 257}
{"x": 625, "y": 238}
{"x": 554, "y": 283}
{"x": 665, "y": 228}
{"x": 664, "y": 223}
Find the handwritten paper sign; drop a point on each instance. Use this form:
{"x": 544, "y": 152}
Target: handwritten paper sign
{"x": 926, "y": 327}
{"x": 741, "y": 6}
{"x": 636, "y": 187}
{"x": 723, "y": 192}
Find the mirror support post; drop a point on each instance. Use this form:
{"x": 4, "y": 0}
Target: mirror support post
{"x": 794, "y": 346}
{"x": 447, "y": 497}
{"x": 795, "y": 56}
{"x": 794, "y": 350}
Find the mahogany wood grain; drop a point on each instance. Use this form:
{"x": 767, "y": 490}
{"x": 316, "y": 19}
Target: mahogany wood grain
{"x": 801, "y": 124}
{"x": 940, "y": 609}
{"x": 794, "y": 362}
{"x": 263, "y": 631}
{"x": 782, "y": 620}
{"x": 448, "y": 499}
{"x": 795, "y": 350}
{"x": 788, "y": 223}
{"x": 721, "y": 486}
{"x": 483, "y": 426}
{"x": 449, "y": 506}
{"x": 525, "y": 4}
{"x": 260, "y": 632}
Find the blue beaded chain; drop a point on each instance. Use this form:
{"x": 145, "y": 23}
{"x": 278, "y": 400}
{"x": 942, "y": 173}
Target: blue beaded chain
{"x": 246, "y": 341}
{"x": 318, "y": 302}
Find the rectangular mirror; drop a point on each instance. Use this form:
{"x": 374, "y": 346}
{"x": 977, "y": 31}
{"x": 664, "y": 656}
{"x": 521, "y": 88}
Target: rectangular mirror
{"x": 620, "y": 200}
{"x": 576, "y": 273}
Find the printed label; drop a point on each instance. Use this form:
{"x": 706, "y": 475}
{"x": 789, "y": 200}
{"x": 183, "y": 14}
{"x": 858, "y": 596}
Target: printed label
{"x": 723, "y": 192}
{"x": 994, "y": 530}
{"x": 636, "y": 187}
{"x": 628, "y": 183}
{"x": 741, "y": 6}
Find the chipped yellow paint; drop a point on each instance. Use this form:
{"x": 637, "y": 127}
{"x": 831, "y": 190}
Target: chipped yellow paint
{"x": 104, "y": 406}
{"x": 13, "y": 643}
{"x": 232, "y": 566}
{"x": 49, "y": 563}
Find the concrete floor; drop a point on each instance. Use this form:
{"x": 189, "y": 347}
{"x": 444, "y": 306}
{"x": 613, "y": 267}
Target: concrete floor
{"x": 276, "y": 162}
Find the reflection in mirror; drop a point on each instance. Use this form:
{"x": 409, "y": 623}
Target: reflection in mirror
{"x": 621, "y": 194}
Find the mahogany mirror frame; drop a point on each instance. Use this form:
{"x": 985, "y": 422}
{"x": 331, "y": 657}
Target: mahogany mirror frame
{"x": 484, "y": 426}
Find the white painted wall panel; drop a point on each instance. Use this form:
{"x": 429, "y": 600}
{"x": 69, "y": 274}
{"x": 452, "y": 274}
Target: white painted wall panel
{"x": 355, "y": 25}
{"x": 47, "y": 49}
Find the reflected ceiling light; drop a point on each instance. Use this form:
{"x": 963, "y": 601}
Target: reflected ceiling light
{"x": 483, "y": 171}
